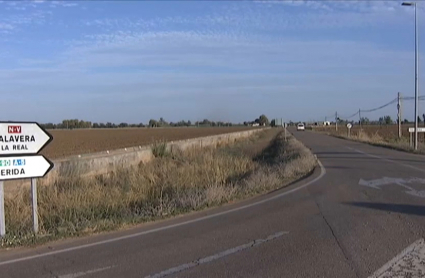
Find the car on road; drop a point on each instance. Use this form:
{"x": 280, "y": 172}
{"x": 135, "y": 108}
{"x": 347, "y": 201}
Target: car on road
{"x": 300, "y": 127}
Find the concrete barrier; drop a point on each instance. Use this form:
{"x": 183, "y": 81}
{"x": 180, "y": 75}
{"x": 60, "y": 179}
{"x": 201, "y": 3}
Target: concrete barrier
{"x": 103, "y": 162}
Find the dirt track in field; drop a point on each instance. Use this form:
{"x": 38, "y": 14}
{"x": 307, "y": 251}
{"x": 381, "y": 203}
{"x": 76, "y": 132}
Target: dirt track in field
{"x": 74, "y": 142}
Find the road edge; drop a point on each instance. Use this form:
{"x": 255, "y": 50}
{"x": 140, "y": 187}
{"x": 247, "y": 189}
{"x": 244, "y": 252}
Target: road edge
{"x": 240, "y": 206}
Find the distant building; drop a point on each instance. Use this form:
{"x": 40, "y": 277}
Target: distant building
{"x": 326, "y": 123}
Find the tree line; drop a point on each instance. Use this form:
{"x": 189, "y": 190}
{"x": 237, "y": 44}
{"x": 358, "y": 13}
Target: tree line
{"x": 387, "y": 120}
{"x": 262, "y": 121}
{"x": 78, "y": 124}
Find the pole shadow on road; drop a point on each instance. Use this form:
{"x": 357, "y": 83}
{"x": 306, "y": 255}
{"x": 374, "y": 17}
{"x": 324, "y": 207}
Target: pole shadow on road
{"x": 405, "y": 209}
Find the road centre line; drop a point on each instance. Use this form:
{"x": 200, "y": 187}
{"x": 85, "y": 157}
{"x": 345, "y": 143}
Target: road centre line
{"x": 217, "y": 256}
{"x": 84, "y": 273}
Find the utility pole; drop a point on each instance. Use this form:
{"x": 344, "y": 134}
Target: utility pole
{"x": 360, "y": 118}
{"x": 416, "y": 77}
{"x": 415, "y": 5}
{"x": 399, "y": 114}
{"x": 336, "y": 121}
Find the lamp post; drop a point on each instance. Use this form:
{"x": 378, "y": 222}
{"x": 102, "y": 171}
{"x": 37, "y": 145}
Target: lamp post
{"x": 414, "y": 4}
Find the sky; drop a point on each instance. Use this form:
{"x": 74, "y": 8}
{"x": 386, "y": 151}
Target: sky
{"x": 130, "y": 61}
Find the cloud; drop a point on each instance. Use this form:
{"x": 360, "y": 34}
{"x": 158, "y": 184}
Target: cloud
{"x": 66, "y": 4}
{"x": 13, "y": 22}
{"x": 6, "y": 26}
{"x": 179, "y": 66}
{"x": 197, "y": 67}
{"x": 218, "y": 51}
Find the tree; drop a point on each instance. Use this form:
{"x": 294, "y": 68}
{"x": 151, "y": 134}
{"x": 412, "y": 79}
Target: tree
{"x": 123, "y": 125}
{"x": 388, "y": 120}
{"x": 364, "y": 121}
{"x": 419, "y": 120}
{"x": 162, "y": 122}
{"x": 405, "y": 121}
{"x": 153, "y": 123}
{"x": 205, "y": 122}
{"x": 273, "y": 123}
{"x": 263, "y": 120}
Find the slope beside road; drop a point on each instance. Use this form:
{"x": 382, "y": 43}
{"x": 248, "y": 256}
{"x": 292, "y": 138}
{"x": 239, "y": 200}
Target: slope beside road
{"x": 353, "y": 216}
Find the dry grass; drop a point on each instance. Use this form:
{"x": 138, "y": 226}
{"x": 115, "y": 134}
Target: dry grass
{"x": 376, "y": 135}
{"x": 171, "y": 184}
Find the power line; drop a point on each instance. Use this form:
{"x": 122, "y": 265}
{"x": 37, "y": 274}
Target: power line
{"x": 412, "y": 98}
{"x": 380, "y": 107}
{"x": 421, "y": 98}
{"x": 349, "y": 117}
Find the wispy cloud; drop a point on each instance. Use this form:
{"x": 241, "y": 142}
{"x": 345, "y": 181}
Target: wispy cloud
{"x": 66, "y": 4}
{"x": 252, "y": 54}
{"x": 5, "y": 26}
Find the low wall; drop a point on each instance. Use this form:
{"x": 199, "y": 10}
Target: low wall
{"x": 100, "y": 163}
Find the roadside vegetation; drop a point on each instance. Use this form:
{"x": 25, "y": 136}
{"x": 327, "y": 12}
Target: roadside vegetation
{"x": 384, "y": 136}
{"x": 173, "y": 183}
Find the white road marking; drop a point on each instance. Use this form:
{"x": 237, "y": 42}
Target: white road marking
{"x": 388, "y": 160}
{"x": 79, "y": 274}
{"x": 399, "y": 181}
{"x": 79, "y": 247}
{"x": 217, "y": 256}
{"x": 409, "y": 263}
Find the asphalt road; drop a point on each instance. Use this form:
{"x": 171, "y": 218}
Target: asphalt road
{"x": 348, "y": 219}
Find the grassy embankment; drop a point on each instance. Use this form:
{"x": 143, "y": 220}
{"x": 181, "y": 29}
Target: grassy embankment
{"x": 171, "y": 184}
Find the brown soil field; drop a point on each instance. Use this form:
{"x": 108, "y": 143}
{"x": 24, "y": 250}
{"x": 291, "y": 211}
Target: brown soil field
{"x": 82, "y": 141}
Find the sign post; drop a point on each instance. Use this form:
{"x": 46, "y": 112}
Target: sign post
{"x": 20, "y": 142}
{"x": 412, "y": 130}
{"x": 34, "y": 205}
{"x": 2, "y": 220}
{"x": 349, "y": 126}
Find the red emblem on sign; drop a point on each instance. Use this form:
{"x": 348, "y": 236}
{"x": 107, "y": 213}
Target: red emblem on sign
{"x": 14, "y": 129}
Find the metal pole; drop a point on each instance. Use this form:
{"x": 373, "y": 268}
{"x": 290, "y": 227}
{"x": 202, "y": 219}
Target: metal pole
{"x": 2, "y": 216}
{"x": 336, "y": 121}
{"x": 416, "y": 77}
{"x": 34, "y": 205}
{"x": 360, "y": 119}
{"x": 399, "y": 114}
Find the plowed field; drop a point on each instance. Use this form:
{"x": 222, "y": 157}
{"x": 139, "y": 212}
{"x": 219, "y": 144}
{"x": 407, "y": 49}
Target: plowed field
{"x": 82, "y": 141}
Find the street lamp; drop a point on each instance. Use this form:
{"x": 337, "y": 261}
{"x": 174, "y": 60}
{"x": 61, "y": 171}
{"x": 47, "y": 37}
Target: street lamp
{"x": 414, "y": 4}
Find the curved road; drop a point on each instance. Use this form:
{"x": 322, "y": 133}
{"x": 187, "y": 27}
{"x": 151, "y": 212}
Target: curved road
{"x": 355, "y": 214}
